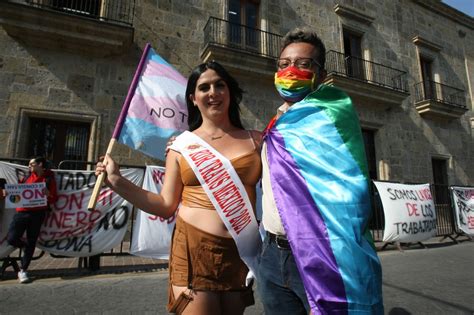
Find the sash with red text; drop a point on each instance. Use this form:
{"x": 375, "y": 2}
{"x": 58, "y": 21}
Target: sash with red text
{"x": 225, "y": 190}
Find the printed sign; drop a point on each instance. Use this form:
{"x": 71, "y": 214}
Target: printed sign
{"x": 152, "y": 234}
{"x": 25, "y": 195}
{"x": 463, "y": 204}
{"x": 409, "y": 211}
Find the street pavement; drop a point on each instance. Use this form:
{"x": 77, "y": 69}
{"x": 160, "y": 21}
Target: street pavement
{"x": 434, "y": 280}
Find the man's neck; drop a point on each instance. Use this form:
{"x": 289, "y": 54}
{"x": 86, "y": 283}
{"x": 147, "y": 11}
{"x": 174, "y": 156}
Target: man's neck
{"x": 39, "y": 173}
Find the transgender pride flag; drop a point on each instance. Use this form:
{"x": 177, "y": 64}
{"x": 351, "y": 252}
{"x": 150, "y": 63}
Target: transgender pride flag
{"x": 155, "y": 107}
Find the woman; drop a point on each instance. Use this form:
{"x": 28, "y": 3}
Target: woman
{"x": 207, "y": 275}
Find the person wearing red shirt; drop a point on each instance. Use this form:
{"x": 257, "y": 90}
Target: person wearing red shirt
{"x": 29, "y": 220}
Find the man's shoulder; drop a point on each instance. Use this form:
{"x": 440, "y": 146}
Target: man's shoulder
{"x": 324, "y": 88}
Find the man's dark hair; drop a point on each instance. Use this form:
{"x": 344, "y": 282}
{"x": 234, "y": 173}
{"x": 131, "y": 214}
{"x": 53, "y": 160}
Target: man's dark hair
{"x": 194, "y": 115}
{"x": 42, "y": 160}
{"x": 305, "y": 35}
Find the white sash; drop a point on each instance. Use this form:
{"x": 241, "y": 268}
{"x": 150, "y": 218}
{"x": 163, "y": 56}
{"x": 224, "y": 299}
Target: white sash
{"x": 225, "y": 190}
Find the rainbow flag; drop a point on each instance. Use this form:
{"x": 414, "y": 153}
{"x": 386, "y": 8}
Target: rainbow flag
{"x": 155, "y": 107}
{"x": 320, "y": 182}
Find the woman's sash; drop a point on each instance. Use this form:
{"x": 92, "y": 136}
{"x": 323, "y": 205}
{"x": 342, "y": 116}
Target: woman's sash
{"x": 225, "y": 190}
{"x": 318, "y": 174}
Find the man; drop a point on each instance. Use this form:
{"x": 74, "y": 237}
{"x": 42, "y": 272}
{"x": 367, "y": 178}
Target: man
{"x": 315, "y": 195}
{"x": 29, "y": 220}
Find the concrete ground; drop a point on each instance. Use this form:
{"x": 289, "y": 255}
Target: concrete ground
{"x": 438, "y": 279}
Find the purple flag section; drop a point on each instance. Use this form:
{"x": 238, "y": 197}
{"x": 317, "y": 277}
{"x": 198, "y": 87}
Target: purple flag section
{"x": 155, "y": 107}
{"x": 308, "y": 229}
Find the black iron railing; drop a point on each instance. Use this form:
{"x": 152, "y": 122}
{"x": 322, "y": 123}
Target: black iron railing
{"x": 434, "y": 91}
{"x": 224, "y": 33}
{"x": 119, "y": 11}
{"x": 365, "y": 70}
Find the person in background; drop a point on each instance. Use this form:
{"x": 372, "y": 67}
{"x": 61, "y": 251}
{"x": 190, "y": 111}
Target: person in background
{"x": 29, "y": 220}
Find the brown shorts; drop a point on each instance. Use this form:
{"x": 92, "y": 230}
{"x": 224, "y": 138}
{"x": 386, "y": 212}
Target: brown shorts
{"x": 205, "y": 262}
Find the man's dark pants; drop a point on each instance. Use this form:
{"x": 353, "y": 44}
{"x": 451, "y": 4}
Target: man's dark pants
{"x": 29, "y": 221}
{"x": 279, "y": 283}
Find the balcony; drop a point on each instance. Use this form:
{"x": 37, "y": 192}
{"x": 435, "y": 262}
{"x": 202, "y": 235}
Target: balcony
{"x": 436, "y": 100}
{"x": 240, "y": 48}
{"x": 93, "y": 27}
{"x": 367, "y": 82}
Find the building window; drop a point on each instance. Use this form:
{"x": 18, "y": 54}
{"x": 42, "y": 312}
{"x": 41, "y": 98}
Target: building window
{"x": 353, "y": 54}
{"x": 440, "y": 181}
{"x": 426, "y": 66}
{"x": 58, "y": 140}
{"x": 369, "y": 144}
{"x": 243, "y": 18}
{"x": 376, "y": 222}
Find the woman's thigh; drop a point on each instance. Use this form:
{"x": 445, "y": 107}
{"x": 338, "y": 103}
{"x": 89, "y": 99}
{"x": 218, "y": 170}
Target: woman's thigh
{"x": 203, "y": 302}
{"x": 232, "y": 303}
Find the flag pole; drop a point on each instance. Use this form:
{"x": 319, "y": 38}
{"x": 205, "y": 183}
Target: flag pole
{"x": 118, "y": 125}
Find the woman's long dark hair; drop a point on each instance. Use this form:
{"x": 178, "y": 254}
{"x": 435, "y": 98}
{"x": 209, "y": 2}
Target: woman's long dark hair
{"x": 194, "y": 115}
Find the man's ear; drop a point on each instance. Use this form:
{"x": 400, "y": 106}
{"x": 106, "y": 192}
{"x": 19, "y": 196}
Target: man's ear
{"x": 322, "y": 75}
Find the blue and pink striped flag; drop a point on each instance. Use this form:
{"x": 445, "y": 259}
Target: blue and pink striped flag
{"x": 320, "y": 182}
{"x": 155, "y": 107}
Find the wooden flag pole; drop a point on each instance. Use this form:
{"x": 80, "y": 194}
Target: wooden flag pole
{"x": 118, "y": 126}
{"x": 100, "y": 180}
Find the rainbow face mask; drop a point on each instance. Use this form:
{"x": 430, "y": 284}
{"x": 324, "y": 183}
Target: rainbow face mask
{"x": 294, "y": 84}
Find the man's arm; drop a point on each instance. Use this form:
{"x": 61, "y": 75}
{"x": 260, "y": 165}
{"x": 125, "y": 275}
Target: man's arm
{"x": 51, "y": 189}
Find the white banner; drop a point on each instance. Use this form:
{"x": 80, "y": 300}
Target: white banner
{"x": 152, "y": 234}
{"x": 409, "y": 211}
{"x": 70, "y": 229}
{"x": 25, "y": 195}
{"x": 6, "y": 216}
{"x": 463, "y": 204}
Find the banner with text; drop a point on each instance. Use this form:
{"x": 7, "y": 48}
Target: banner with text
{"x": 152, "y": 234}
{"x": 409, "y": 211}
{"x": 463, "y": 204}
{"x": 70, "y": 229}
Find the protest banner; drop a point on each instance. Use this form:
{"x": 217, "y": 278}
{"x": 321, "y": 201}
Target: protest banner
{"x": 409, "y": 212}
{"x": 6, "y": 216}
{"x": 463, "y": 204}
{"x": 25, "y": 195}
{"x": 70, "y": 229}
{"x": 152, "y": 234}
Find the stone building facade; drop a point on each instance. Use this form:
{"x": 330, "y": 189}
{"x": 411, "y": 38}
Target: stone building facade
{"x": 407, "y": 64}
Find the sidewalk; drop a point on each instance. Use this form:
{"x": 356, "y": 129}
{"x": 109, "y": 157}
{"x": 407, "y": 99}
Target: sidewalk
{"x": 433, "y": 280}
{"x": 47, "y": 266}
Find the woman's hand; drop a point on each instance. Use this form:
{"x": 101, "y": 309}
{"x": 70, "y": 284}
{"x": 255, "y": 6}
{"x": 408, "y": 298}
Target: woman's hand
{"x": 108, "y": 166}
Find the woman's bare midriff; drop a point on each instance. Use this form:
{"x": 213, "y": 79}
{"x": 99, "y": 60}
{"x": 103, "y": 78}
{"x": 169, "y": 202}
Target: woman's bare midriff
{"x": 207, "y": 220}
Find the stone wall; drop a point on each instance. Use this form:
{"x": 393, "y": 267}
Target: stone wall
{"x": 80, "y": 87}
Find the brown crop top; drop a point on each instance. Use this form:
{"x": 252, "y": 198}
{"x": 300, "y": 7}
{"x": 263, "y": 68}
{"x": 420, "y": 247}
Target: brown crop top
{"x": 248, "y": 166}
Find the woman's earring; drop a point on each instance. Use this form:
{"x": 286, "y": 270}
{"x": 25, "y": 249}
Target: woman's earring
{"x": 195, "y": 104}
